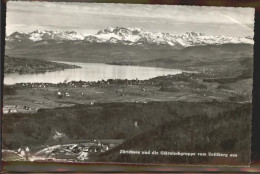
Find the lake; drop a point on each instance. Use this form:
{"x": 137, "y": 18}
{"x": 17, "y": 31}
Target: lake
{"x": 90, "y": 72}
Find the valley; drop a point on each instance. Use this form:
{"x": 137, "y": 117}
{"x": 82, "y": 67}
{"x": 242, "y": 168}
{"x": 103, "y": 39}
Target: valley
{"x": 181, "y": 87}
{"x": 201, "y": 92}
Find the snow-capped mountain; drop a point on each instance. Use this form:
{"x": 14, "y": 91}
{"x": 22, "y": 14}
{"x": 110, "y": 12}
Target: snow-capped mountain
{"x": 45, "y": 35}
{"x": 131, "y": 36}
{"x": 136, "y": 36}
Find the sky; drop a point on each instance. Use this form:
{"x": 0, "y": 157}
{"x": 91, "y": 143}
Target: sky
{"x": 89, "y": 18}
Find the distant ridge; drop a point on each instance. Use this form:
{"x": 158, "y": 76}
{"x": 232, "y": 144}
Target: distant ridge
{"x": 130, "y": 36}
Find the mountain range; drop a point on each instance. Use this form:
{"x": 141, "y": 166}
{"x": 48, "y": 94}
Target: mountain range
{"x": 129, "y": 36}
{"x": 133, "y": 46}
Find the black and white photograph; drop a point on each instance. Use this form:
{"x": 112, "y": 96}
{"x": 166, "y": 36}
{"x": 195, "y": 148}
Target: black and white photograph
{"x": 127, "y": 83}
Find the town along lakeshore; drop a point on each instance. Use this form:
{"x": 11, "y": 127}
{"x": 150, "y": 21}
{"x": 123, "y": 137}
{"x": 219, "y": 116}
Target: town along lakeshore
{"x": 61, "y": 115}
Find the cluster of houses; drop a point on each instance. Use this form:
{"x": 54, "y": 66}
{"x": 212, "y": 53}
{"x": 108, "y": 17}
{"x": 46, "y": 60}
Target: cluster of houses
{"x": 9, "y": 109}
{"x": 82, "y": 84}
{"x": 60, "y": 94}
{"x": 91, "y": 147}
{"x": 34, "y": 85}
{"x": 140, "y": 100}
{"x": 184, "y": 76}
{"x": 80, "y": 152}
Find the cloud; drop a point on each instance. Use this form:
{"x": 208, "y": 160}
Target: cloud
{"x": 237, "y": 22}
{"x": 178, "y": 13}
{"x": 94, "y": 16}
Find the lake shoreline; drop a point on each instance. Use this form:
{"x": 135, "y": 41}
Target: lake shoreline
{"x": 90, "y": 72}
{"x": 33, "y": 66}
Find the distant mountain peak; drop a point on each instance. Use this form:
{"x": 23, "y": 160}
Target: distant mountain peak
{"x": 120, "y": 31}
{"x": 38, "y": 35}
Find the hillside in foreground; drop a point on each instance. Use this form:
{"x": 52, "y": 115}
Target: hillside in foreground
{"x": 161, "y": 126}
{"x": 226, "y": 133}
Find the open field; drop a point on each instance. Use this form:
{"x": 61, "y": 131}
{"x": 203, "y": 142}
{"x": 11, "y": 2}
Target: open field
{"x": 183, "y": 87}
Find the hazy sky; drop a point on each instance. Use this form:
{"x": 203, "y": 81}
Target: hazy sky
{"x": 91, "y": 17}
